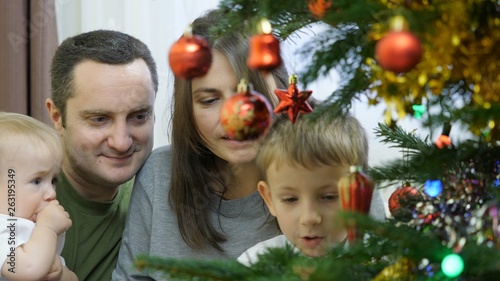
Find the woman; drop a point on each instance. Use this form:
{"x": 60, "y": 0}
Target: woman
{"x": 198, "y": 198}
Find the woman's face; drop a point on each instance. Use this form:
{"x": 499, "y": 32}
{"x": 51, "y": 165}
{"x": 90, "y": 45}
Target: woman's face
{"x": 209, "y": 94}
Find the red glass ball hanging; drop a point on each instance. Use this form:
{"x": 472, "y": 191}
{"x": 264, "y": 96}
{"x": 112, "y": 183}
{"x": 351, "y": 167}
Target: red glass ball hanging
{"x": 190, "y": 57}
{"x": 398, "y": 51}
{"x": 402, "y": 202}
{"x": 246, "y": 115}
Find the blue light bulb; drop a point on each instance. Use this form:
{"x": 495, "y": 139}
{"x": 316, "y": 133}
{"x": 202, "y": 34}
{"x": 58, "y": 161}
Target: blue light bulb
{"x": 433, "y": 187}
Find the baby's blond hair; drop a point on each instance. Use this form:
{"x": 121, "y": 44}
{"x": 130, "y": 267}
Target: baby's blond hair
{"x": 18, "y": 129}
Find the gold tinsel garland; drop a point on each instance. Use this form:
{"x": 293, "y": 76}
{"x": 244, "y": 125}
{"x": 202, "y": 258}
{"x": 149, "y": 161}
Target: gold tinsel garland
{"x": 401, "y": 270}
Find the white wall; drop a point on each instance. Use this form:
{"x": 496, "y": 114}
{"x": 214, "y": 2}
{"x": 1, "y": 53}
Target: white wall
{"x": 158, "y": 23}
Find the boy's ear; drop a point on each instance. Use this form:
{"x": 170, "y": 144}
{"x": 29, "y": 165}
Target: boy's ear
{"x": 265, "y": 193}
{"x": 54, "y": 114}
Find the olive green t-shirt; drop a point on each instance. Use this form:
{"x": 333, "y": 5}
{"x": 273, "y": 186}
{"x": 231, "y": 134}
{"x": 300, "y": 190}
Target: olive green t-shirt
{"x": 92, "y": 242}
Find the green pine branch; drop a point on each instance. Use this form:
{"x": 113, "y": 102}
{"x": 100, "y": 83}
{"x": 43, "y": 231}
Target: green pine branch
{"x": 245, "y": 15}
{"x": 186, "y": 269}
{"x": 335, "y": 48}
{"x": 383, "y": 245}
{"x": 423, "y": 160}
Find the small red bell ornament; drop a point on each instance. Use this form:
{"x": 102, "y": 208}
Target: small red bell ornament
{"x": 356, "y": 191}
{"x": 190, "y": 56}
{"x": 399, "y": 50}
{"x": 264, "y": 49}
{"x": 246, "y": 115}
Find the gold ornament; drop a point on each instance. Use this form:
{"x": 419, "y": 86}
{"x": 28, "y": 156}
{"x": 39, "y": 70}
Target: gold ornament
{"x": 401, "y": 270}
{"x": 457, "y": 48}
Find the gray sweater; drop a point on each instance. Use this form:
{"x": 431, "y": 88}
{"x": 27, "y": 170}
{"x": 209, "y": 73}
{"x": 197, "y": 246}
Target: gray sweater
{"x": 151, "y": 226}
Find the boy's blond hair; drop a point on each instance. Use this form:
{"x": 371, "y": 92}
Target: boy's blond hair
{"x": 17, "y": 129}
{"x": 311, "y": 143}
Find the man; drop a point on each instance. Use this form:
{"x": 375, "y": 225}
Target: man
{"x": 103, "y": 90}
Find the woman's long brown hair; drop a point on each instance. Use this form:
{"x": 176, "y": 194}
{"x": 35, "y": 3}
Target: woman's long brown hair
{"x": 195, "y": 176}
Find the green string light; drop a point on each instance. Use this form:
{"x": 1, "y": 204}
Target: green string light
{"x": 452, "y": 265}
{"x": 418, "y": 110}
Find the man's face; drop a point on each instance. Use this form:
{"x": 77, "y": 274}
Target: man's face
{"x": 109, "y": 122}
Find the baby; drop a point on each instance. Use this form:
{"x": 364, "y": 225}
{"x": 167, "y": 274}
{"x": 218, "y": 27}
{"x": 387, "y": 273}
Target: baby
{"x": 32, "y": 223}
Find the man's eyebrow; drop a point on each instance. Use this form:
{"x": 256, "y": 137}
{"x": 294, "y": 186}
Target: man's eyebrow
{"x": 91, "y": 112}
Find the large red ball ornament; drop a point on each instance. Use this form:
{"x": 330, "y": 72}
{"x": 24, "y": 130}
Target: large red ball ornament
{"x": 264, "y": 52}
{"x": 246, "y": 115}
{"x": 398, "y": 51}
{"x": 402, "y": 202}
{"x": 190, "y": 57}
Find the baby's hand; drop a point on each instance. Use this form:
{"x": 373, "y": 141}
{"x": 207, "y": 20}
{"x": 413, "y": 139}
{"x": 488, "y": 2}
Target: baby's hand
{"x": 56, "y": 270}
{"x": 55, "y": 217}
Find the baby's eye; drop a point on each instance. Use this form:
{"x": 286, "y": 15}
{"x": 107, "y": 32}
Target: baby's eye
{"x": 36, "y": 181}
{"x": 54, "y": 181}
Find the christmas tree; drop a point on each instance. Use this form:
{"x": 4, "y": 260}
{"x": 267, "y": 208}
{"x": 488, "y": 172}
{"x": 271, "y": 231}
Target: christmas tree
{"x": 435, "y": 61}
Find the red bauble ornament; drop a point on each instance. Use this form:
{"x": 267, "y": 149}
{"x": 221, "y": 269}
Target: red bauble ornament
{"x": 292, "y": 101}
{"x": 246, "y": 115}
{"x": 190, "y": 56}
{"x": 318, "y": 8}
{"x": 355, "y": 192}
{"x": 403, "y": 201}
{"x": 398, "y": 51}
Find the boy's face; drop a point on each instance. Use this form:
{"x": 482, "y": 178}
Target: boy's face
{"x": 305, "y": 202}
{"x": 29, "y": 176}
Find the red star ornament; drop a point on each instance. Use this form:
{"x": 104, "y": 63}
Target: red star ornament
{"x": 292, "y": 101}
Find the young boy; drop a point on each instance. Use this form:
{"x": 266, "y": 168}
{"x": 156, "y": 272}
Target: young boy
{"x": 301, "y": 164}
{"x": 32, "y": 223}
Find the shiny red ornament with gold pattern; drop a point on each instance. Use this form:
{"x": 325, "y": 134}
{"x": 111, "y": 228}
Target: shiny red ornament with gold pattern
{"x": 264, "y": 50}
{"x": 190, "y": 56}
{"x": 355, "y": 190}
{"x": 246, "y": 115}
{"x": 403, "y": 201}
